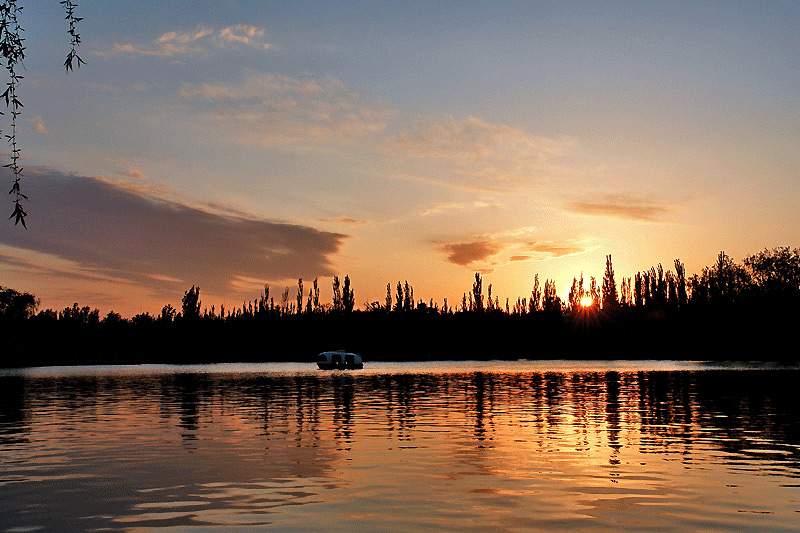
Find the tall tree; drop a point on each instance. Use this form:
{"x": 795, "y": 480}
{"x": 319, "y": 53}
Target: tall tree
{"x": 337, "y": 294}
{"x": 348, "y": 299}
{"x": 536, "y": 295}
{"x": 574, "y": 297}
{"x": 408, "y": 297}
{"x": 672, "y": 289}
{"x": 550, "y": 300}
{"x": 477, "y": 293}
{"x": 299, "y": 296}
{"x": 594, "y": 292}
{"x": 638, "y": 290}
{"x": 680, "y": 282}
{"x": 398, "y": 301}
{"x": 190, "y": 303}
{"x": 727, "y": 282}
{"x": 263, "y": 300}
{"x": 661, "y": 287}
{"x": 610, "y": 297}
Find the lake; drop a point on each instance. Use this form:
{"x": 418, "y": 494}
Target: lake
{"x": 633, "y": 445}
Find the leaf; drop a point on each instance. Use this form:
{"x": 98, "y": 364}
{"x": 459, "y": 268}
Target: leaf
{"x": 19, "y": 213}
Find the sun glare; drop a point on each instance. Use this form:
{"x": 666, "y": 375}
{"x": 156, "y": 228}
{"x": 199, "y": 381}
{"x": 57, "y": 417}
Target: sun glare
{"x": 586, "y": 301}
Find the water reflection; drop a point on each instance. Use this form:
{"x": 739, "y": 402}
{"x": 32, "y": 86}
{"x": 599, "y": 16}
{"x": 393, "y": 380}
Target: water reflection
{"x": 500, "y": 448}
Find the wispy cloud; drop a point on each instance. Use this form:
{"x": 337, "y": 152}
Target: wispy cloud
{"x": 98, "y": 228}
{"x": 344, "y": 219}
{"x": 478, "y": 153}
{"x": 244, "y": 34}
{"x": 39, "y": 124}
{"x": 280, "y": 111}
{"x": 459, "y": 206}
{"x": 620, "y": 206}
{"x": 550, "y": 249}
{"x": 182, "y": 43}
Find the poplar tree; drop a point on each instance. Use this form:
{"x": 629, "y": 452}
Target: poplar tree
{"x": 680, "y": 274}
{"x": 337, "y": 294}
{"x": 348, "y": 300}
{"x": 536, "y": 295}
{"x": 610, "y": 297}
{"x": 477, "y": 293}
{"x": 299, "y": 296}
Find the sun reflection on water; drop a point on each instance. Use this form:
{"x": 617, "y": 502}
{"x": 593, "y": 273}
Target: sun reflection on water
{"x": 502, "y": 446}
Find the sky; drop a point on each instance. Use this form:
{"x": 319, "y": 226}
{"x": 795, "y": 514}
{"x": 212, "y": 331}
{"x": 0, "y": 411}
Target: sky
{"x": 235, "y": 144}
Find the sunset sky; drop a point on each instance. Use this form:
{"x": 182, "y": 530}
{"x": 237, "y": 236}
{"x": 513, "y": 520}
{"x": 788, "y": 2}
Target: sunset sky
{"x": 232, "y": 144}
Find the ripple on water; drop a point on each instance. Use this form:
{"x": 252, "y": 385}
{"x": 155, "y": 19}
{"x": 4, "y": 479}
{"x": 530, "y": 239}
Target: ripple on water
{"x": 462, "y": 446}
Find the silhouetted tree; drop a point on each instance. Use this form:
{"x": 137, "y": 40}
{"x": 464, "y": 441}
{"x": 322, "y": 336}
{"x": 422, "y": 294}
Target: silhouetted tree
{"x": 726, "y": 282}
{"x": 647, "y": 295}
{"x": 143, "y": 319}
{"x": 299, "y": 296}
{"x": 536, "y": 295}
{"x": 285, "y": 302}
{"x": 398, "y": 301}
{"x": 477, "y": 294}
{"x": 625, "y": 293}
{"x": 316, "y": 296}
{"x": 348, "y": 299}
{"x": 112, "y": 318}
{"x": 680, "y": 277}
{"x": 610, "y": 298}
{"x": 776, "y": 272}
{"x": 672, "y": 291}
{"x": 661, "y": 287}
{"x": 167, "y": 313}
{"x": 574, "y": 297}
{"x": 190, "y": 303}
{"x": 263, "y": 301}
{"x": 82, "y": 315}
{"x": 550, "y": 300}
{"x": 388, "y": 304}
{"x": 337, "y": 294}
{"x": 638, "y": 290}
{"x": 653, "y": 278}
{"x": 594, "y": 292}
{"x": 16, "y": 305}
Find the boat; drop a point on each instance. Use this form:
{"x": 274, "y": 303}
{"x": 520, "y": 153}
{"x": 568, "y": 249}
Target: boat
{"x": 339, "y": 359}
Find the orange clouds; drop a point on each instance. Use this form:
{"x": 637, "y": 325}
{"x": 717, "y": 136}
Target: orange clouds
{"x": 466, "y": 253}
{"x": 620, "y": 206}
{"x": 509, "y": 247}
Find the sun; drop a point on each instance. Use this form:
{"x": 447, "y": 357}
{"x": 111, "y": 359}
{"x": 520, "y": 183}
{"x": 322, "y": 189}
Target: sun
{"x": 586, "y": 301}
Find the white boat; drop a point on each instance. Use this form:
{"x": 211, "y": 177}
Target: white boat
{"x": 339, "y": 359}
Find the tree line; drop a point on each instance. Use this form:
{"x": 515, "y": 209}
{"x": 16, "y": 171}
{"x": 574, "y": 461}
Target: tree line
{"x": 720, "y": 304}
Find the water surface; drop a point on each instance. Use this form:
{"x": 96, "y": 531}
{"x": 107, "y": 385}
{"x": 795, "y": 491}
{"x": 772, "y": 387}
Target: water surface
{"x": 504, "y": 445}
